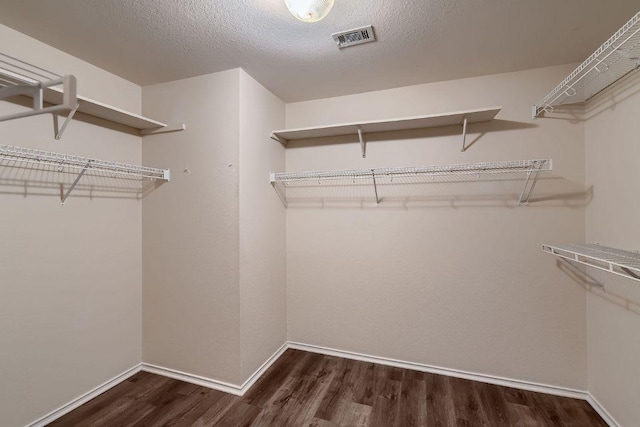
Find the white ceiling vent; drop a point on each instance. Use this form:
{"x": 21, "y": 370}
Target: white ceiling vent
{"x": 354, "y": 37}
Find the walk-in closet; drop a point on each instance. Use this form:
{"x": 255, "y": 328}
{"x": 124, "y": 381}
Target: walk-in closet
{"x": 319, "y": 213}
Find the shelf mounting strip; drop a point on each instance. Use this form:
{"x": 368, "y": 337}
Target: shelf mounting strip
{"x": 530, "y": 168}
{"x": 611, "y": 260}
{"x": 14, "y": 156}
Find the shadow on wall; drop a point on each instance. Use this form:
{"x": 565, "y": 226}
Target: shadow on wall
{"x": 455, "y": 192}
{"x": 475, "y": 132}
{"x": 618, "y": 290}
{"x": 41, "y": 180}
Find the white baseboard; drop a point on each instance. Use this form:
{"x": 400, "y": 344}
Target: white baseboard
{"x": 262, "y": 369}
{"x": 81, "y": 400}
{"x": 193, "y": 379}
{"x": 226, "y": 387}
{"x": 501, "y": 381}
{"x": 240, "y": 390}
{"x": 606, "y": 416}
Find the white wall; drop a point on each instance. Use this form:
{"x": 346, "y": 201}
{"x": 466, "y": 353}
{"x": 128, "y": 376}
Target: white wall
{"x": 263, "y": 311}
{"x": 213, "y": 240}
{"x": 455, "y": 276}
{"x": 191, "y": 297}
{"x": 613, "y": 318}
{"x": 70, "y": 292}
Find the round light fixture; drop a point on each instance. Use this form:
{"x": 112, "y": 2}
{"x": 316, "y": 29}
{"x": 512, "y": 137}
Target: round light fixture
{"x": 309, "y": 10}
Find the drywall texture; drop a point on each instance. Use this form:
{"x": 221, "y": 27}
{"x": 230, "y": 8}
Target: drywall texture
{"x": 263, "y": 312}
{"x": 613, "y": 318}
{"x": 214, "y": 239}
{"x": 70, "y": 293}
{"x": 445, "y": 274}
{"x": 191, "y": 298}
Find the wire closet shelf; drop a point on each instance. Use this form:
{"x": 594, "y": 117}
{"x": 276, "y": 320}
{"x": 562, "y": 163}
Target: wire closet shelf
{"x": 616, "y": 261}
{"x": 530, "y": 169}
{"x": 616, "y": 58}
{"x": 11, "y": 156}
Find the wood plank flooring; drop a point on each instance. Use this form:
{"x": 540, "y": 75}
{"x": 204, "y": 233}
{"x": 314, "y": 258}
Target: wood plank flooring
{"x": 306, "y": 389}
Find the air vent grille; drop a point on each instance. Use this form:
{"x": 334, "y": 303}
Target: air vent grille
{"x": 354, "y": 37}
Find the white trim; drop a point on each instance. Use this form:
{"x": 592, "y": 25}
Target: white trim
{"x": 81, "y": 400}
{"x": 262, "y": 369}
{"x": 193, "y": 379}
{"x": 490, "y": 379}
{"x": 223, "y": 386}
{"x": 240, "y": 390}
{"x": 606, "y": 416}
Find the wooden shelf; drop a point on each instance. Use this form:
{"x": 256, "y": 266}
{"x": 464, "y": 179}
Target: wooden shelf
{"x": 407, "y": 123}
{"x": 17, "y": 78}
{"x": 106, "y": 112}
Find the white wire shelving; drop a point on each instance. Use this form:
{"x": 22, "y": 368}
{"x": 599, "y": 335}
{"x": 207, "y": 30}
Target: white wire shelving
{"x": 529, "y": 170}
{"x": 56, "y": 94}
{"x": 616, "y": 261}
{"x": 11, "y": 156}
{"x": 459, "y": 118}
{"x": 616, "y": 58}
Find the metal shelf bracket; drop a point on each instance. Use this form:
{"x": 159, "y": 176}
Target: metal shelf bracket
{"x": 59, "y": 131}
{"x": 363, "y": 142}
{"x": 375, "y": 186}
{"x": 464, "y": 134}
{"x": 530, "y": 182}
{"x": 63, "y": 197}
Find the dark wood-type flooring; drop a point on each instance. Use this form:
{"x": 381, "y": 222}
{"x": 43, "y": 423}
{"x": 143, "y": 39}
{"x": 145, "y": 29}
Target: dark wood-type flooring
{"x": 306, "y": 389}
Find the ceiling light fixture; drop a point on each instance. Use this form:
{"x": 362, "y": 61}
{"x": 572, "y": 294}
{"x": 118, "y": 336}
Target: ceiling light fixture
{"x": 309, "y": 10}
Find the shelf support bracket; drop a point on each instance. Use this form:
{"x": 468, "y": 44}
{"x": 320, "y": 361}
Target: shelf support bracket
{"x": 63, "y": 197}
{"x": 363, "y": 143}
{"x": 464, "y": 134}
{"x": 530, "y": 183}
{"x": 59, "y": 131}
{"x": 576, "y": 270}
{"x": 375, "y": 186}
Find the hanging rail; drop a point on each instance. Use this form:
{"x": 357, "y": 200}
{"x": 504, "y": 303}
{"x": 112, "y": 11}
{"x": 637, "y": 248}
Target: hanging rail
{"x": 616, "y": 58}
{"x": 14, "y": 156}
{"x": 21, "y": 78}
{"x": 616, "y": 261}
{"x": 530, "y": 168}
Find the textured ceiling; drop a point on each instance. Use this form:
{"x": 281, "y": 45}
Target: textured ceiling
{"x": 419, "y": 41}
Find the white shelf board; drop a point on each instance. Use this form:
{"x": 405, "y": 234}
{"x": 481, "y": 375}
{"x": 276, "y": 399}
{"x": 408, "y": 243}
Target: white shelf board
{"x": 107, "y": 112}
{"x": 407, "y": 123}
{"x": 616, "y": 261}
{"x": 54, "y": 95}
